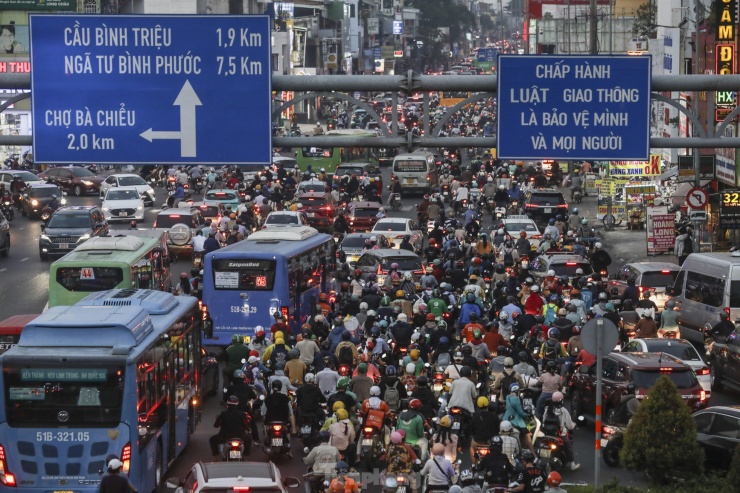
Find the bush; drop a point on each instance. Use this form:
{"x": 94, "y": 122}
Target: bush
{"x": 661, "y": 438}
{"x": 733, "y": 474}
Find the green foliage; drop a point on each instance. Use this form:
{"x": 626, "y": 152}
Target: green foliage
{"x": 442, "y": 13}
{"x": 661, "y": 438}
{"x": 733, "y": 474}
{"x": 645, "y": 19}
{"x": 486, "y": 23}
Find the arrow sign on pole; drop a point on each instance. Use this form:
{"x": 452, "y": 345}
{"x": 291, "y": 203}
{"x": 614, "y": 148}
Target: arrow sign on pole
{"x": 187, "y": 100}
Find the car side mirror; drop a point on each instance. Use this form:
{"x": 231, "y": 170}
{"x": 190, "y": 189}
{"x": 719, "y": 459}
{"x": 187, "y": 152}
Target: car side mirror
{"x": 173, "y": 483}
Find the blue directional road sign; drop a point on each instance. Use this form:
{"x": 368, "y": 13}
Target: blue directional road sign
{"x": 487, "y": 54}
{"x": 151, "y": 89}
{"x": 574, "y": 107}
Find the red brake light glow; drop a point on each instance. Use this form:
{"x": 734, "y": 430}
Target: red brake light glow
{"x": 241, "y": 489}
{"x": 702, "y": 395}
{"x": 6, "y": 477}
{"x": 234, "y": 443}
{"x": 571, "y": 264}
{"x": 126, "y": 457}
{"x": 277, "y": 427}
{"x": 702, "y": 371}
{"x": 175, "y": 215}
{"x": 665, "y": 271}
{"x": 368, "y": 429}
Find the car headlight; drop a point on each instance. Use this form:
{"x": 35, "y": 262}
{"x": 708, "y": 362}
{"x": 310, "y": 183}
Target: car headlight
{"x": 34, "y": 202}
{"x": 87, "y": 183}
{"x": 64, "y": 201}
{"x": 106, "y": 209}
{"x": 44, "y": 238}
{"x": 86, "y": 236}
{"x": 140, "y": 208}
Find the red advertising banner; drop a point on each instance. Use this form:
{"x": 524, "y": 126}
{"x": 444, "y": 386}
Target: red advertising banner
{"x": 661, "y": 232}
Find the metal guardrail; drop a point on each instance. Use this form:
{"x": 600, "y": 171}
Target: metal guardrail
{"x": 484, "y": 85}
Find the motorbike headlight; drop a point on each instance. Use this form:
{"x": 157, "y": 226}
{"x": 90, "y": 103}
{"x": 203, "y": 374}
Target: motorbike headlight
{"x": 64, "y": 201}
{"x": 34, "y": 202}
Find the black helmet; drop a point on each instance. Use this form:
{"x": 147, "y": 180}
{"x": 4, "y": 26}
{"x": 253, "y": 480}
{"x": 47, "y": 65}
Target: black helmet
{"x": 527, "y": 455}
{"x": 627, "y": 305}
{"x": 276, "y": 385}
{"x": 523, "y": 356}
{"x": 422, "y": 381}
{"x": 496, "y": 444}
{"x": 346, "y": 336}
{"x": 501, "y": 350}
{"x": 233, "y": 401}
{"x": 467, "y": 350}
{"x": 465, "y": 371}
{"x": 551, "y": 366}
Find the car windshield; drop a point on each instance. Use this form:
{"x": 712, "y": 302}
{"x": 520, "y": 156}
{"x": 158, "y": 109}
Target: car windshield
{"x": 658, "y": 278}
{"x": 365, "y": 212}
{"x": 681, "y": 351}
{"x": 354, "y": 242}
{"x": 390, "y": 226}
{"x": 282, "y": 219}
{"x": 348, "y": 171}
{"x": 404, "y": 263}
{"x": 169, "y": 220}
{"x": 69, "y": 221}
{"x": 45, "y": 192}
{"x": 27, "y": 177}
{"x": 122, "y": 195}
{"x": 82, "y": 172}
{"x": 546, "y": 199}
{"x": 683, "y": 379}
{"x": 569, "y": 268}
{"x": 313, "y": 187}
{"x": 220, "y": 196}
{"x": 209, "y": 210}
{"x": 528, "y": 227}
{"x": 130, "y": 181}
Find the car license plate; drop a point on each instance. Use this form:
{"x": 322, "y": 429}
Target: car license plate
{"x": 123, "y": 214}
{"x": 277, "y": 442}
{"x": 409, "y": 181}
{"x": 367, "y": 442}
{"x": 306, "y": 430}
{"x": 401, "y": 489}
{"x": 235, "y": 454}
{"x": 310, "y": 214}
{"x": 437, "y": 387}
{"x": 456, "y": 425}
{"x": 545, "y": 453}
{"x": 64, "y": 246}
{"x": 604, "y": 442}
{"x": 548, "y": 210}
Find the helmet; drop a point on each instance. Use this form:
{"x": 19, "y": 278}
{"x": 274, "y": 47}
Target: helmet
{"x": 609, "y": 307}
{"x": 443, "y": 341}
{"x": 422, "y": 381}
{"x": 294, "y": 353}
{"x": 415, "y": 404}
{"x": 514, "y": 387}
{"x": 390, "y": 485}
{"x": 482, "y": 402}
{"x": 467, "y": 476}
{"x": 467, "y": 350}
{"x": 503, "y": 315}
{"x": 390, "y": 370}
{"x": 557, "y": 397}
{"x": 551, "y": 273}
{"x": 575, "y": 211}
{"x": 385, "y": 301}
{"x": 670, "y": 304}
{"x": 508, "y": 362}
{"x": 471, "y": 297}
{"x": 309, "y": 378}
{"x": 490, "y": 179}
{"x": 342, "y": 414}
{"x": 527, "y": 455}
{"x": 400, "y": 293}
{"x": 337, "y": 406}
{"x": 535, "y": 288}
{"x": 236, "y": 339}
{"x": 551, "y": 221}
{"x": 396, "y": 437}
{"x": 497, "y": 442}
{"x": 343, "y": 383}
{"x": 342, "y": 467}
{"x": 477, "y": 334}
{"x": 394, "y": 266}
{"x": 597, "y": 245}
{"x": 238, "y": 374}
{"x": 603, "y": 296}
{"x": 374, "y": 391}
{"x": 505, "y": 426}
{"x": 553, "y": 333}
{"x": 553, "y": 479}
{"x": 473, "y": 318}
{"x": 410, "y": 369}
{"x": 414, "y": 354}
{"x": 575, "y": 330}
{"x": 430, "y": 317}
{"x": 458, "y": 356}
{"x": 445, "y": 421}
{"x": 346, "y": 336}
{"x": 233, "y": 401}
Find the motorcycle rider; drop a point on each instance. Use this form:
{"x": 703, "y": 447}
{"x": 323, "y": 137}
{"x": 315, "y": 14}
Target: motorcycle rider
{"x": 342, "y": 483}
{"x": 411, "y": 422}
{"x": 438, "y": 469}
{"x": 278, "y": 407}
{"x": 550, "y": 382}
{"x": 566, "y": 425}
{"x": 530, "y": 480}
{"x": 463, "y": 393}
{"x": 553, "y": 482}
{"x": 322, "y": 459}
{"x": 628, "y": 404}
{"x": 400, "y": 458}
{"x": 343, "y": 435}
{"x": 496, "y": 466}
{"x": 483, "y": 425}
{"x": 576, "y": 183}
{"x": 309, "y": 399}
{"x": 232, "y": 423}
{"x": 600, "y": 259}
{"x": 669, "y": 320}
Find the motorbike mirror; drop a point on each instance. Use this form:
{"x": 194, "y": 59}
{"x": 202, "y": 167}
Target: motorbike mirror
{"x": 291, "y": 482}
{"x": 173, "y": 483}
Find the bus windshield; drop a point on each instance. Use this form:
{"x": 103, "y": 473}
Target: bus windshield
{"x": 41, "y": 393}
{"x": 250, "y": 275}
{"x": 89, "y": 278}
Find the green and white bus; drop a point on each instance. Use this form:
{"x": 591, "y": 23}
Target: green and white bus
{"x": 138, "y": 259}
{"x": 330, "y": 157}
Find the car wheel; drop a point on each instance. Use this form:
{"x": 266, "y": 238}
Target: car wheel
{"x": 611, "y": 452}
{"x": 77, "y": 190}
{"x": 715, "y": 377}
{"x": 575, "y": 404}
{"x": 6, "y": 250}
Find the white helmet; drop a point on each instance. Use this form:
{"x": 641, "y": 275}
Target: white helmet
{"x": 535, "y": 288}
{"x": 363, "y": 306}
{"x": 374, "y": 391}
{"x": 402, "y": 317}
{"x": 299, "y": 206}
{"x": 410, "y": 368}
{"x": 579, "y": 271}
{"x": 490, "y": 180}
{"x": 501, "y": 187}
{"x": 408, "y": 276}
{"x": 503, "y": 315}
{"x": 597, "y": 245}
{"x": 550, "y": 273}
{"x": 309, "y": 378}
{"x": 323, "y": 170}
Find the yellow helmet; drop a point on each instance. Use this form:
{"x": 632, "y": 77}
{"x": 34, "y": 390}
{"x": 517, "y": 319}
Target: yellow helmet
{"x": 483, "y": 402}
{"x": 337, "y": 406}
{"x": 279, "y": 335}
{"x": 342, "y": 414}
{"x": 445, "y": 422}
{"x": 414, "y": 354}
{"x": 400, "y": 293}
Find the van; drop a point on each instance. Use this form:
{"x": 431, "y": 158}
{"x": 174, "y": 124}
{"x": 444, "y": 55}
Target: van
{"x": 416, "y": 171}
{"x": 707, "y": 284}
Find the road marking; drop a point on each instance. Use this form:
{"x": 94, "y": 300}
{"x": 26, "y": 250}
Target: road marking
{"x": 24, "y": 259}
{"x": 20, "y": 229}
{"x": 3, "y": 269}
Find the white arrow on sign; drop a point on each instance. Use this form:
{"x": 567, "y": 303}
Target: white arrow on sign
{"x": 187, "y": 100}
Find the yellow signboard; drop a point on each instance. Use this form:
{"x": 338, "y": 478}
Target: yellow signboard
{"x": 628, "y": 169}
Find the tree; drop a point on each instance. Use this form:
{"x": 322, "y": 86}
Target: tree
{"x": 645, "y": 19}
{"x": 733, "y": 475}
{"x": 661, "y": 437}
{"x": 442, "y": 13}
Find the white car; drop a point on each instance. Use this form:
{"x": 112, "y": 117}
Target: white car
{"x": 313, "y": 185}
{"x": 129, "y": 180}
{"x": 395, "y": 228}
{"x": 123, "y": 203}
{"x": 515, "y": 224}
{"x": 284, "y": 218}
{"x": 681, "y": 349}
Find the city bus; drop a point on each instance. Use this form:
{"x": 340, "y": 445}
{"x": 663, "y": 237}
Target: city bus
{"x": 275, "y": 269}
{"x": 115, "y": 375}
{"x": 330, "y": 157}
{"x": 137, "y": 259}
{"x": 451, "y": 98}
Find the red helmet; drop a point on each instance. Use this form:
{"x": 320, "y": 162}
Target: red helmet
{"x": 415, "y": 404}
{"x": 358, "y": 272}
{"x": 477, "y": 261}
{"x": 345, "y": 286}
{"x": 554, "y": 479}
{"x": 430, "y": 317}
{"x": 370, "y": 345}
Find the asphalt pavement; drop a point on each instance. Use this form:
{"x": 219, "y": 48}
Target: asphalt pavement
{"x": 24, "y": 282}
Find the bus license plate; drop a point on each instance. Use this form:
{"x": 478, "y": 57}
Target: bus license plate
{"x": 367, "y": 442}
{"x": 306, "y": 430}
{"x": 548, "y": 210}
{"x": 456, "y": 425}
{"x": 123, "y": 214}
{"x": 235, "y": 454}
{"x": 604, "y": 442}
{"x": 545, "y": 453}
{"x": 277, "y": 442}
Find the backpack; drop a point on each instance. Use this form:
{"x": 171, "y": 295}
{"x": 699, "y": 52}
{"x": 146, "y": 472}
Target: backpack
{"x": 550, "y": 314}
{"x": 551, "y": 350}
{"x": 508, "y": 259}
{"x": 443, "y": 360}
{"x": 346, "y": 356}
{"x": 231, "y": 239}
{"x": 506, "y": 382}
{"x": 392, "y": 397}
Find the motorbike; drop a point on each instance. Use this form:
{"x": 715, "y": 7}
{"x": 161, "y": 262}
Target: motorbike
{"x": 309, "y": 431}
{"x": 232, "y": 450}
{"x": 198, "y": 185}
{"x": 370, "y": 447}
{"x": 7, "y": 208}
{"x": 550, "y": 448}
{"x": 395, "y": 201}
{"x": 577, "y": 195}
{"x": 344, "y": 370}
{"x": 445, "y": 193}
{"x": 458, "y": 427}
{"x": 440, "y": 384}
{"x": 490, "y": 205}
{"x": 612, "y": 441}
{"x": 276, "y": 440}
{"x": 46, "y": 213}
{"x": 500, "y": 213}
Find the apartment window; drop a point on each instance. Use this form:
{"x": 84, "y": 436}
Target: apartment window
{"x": 91, "y": 7}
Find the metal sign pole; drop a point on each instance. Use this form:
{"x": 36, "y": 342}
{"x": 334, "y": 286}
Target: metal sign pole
{"x": 599, "y": 363}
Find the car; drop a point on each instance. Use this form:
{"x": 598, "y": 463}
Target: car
{"x": 379, "y": 261}
{"x": 123, "y": 204}
{"x": 181, "y": 224}
{"x": 541, "y": 204}
{"x": 284, "y": 218}
{"x": 385, "y": 155}
{"x": 395, "y": 228}
{"x": 516, "y": 223}
{"x": 239, "y": 477}
{"x": 563, "y": 263}
{"x": 71, "y": 226}
{"x": 320, "y": 208}
{"x": 226, "y": 196}
{"x": 210, "y": 209}
{"x": 681, "y": 349}
{"x": 312, "y": 185}
{"x": 74, "y": 179}
{"x": 4, "y": 236}
{"x": 37, "y": 196}
{"x": 724, "y": 362}
{"x": 641, "y": 369}
{"x": 718, "y": 433}
{"x": 353, "y": 244}
{"x": 6, "y": 177}
{"x": 129, "y": 180}
{"x": 652, "y": 276}
{"x": 362, "y": 216}
{"x": 359, "y": 169}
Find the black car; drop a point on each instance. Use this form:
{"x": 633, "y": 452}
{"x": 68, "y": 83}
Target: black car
{"x": 541, "y": 204}
{"x": 724, "y": 362}
{"x": 39, "y": 195}
{"x": 718, "y": 432}
{"x": 69, "y": 227}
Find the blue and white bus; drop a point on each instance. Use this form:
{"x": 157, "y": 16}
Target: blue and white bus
{"x": 275, "y": 269}
{"x": 115, "y": 375}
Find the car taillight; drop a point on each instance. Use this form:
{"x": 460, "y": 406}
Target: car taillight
{"x": 242, "y": 489}
{"x": 702, "y": 395}
{"x": 562, "y": 206}
{"x": 126, "y": 457}
{"x": 571, "y": 264}
{"x": 327, "y": 208}
{"x": 393, "y": 176}
{"x": 702, "y": 371}
{"x": 727, "y": 310}
{"x": 429, "y": 178}
{"x": 529, "y": 206}
{"x": 6, "y": 477}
